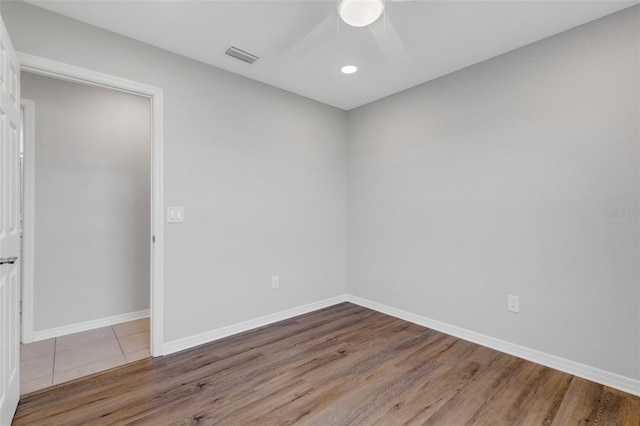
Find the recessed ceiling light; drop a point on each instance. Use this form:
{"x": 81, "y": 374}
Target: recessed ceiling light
{"x": 360, "y": 13}
{"x": 349, "y": 69}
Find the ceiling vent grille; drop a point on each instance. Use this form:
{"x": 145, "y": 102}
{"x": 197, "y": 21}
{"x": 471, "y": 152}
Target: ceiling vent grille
{"x": 242, "y": 55}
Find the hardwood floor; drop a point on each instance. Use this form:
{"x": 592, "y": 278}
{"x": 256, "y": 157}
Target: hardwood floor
{"x": 344, "y": 365}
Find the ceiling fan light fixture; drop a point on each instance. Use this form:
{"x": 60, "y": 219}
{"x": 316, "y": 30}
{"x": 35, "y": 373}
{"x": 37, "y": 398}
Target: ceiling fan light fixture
{"x": 360, "y": 13}
{"x": 349, "y": 69}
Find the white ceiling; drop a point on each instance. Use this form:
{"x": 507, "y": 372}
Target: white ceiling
{"x": 303, "y": 45}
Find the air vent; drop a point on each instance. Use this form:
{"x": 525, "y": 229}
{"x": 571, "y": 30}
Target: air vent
{"x": 241, "y": 54}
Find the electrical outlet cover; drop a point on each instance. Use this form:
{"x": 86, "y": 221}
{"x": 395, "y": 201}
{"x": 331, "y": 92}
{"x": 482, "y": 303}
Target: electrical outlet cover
{"x": 513, "y": 303}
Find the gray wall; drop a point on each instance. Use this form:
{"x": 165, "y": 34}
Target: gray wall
{"x": 92, "y": 197}
{"x": 260, "y": 172}
{"x": 496, "y": 180}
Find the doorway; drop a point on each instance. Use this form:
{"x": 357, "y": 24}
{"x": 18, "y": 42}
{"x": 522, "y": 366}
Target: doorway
{"x": 154, "y": 238}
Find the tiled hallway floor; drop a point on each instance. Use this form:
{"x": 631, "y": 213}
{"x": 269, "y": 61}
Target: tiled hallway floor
{"x": 53, "y": 361}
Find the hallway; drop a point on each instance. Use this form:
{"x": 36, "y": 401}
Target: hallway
{"x": 52, "y": 361}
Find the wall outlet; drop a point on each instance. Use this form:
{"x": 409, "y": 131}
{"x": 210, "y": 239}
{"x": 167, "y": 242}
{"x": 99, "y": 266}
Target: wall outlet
{"x": 275, "y": 281}
{"x": 513, "y": 303}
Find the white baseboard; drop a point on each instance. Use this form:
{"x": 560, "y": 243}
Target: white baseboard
{"x": 597, "y": 375}
{"x": 219, "y": 333}
{"x": 88, "y": 325}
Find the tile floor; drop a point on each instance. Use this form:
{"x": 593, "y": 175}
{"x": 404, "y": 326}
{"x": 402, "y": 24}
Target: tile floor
{"x": 53, "y": 361}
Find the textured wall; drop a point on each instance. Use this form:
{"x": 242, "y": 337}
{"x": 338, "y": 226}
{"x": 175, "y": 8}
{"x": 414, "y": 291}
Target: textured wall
{"x": 498, "y": 179}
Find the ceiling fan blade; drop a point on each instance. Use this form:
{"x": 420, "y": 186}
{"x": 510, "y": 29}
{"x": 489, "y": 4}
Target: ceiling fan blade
{"x": 389, "y": 41}
{"x": 320, "y": 34}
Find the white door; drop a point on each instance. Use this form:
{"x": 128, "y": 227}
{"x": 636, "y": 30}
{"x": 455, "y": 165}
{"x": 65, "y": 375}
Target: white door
{"x": 9, "y": 228}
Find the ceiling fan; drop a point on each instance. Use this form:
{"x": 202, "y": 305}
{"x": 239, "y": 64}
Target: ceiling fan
{"x": 360, "y": 14}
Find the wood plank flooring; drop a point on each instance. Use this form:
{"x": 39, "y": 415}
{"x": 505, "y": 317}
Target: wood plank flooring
{"x": 344, "y": 365}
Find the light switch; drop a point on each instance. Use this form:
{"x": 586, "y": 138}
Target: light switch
{"x": 175, "y": 214}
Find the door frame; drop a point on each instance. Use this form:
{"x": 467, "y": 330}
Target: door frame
{"x": 62, "y": 71}
{"x": 28, "y": 206}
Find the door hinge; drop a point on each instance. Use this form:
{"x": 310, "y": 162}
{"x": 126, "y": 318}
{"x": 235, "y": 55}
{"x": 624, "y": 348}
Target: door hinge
{"x": 154, "y": 239}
